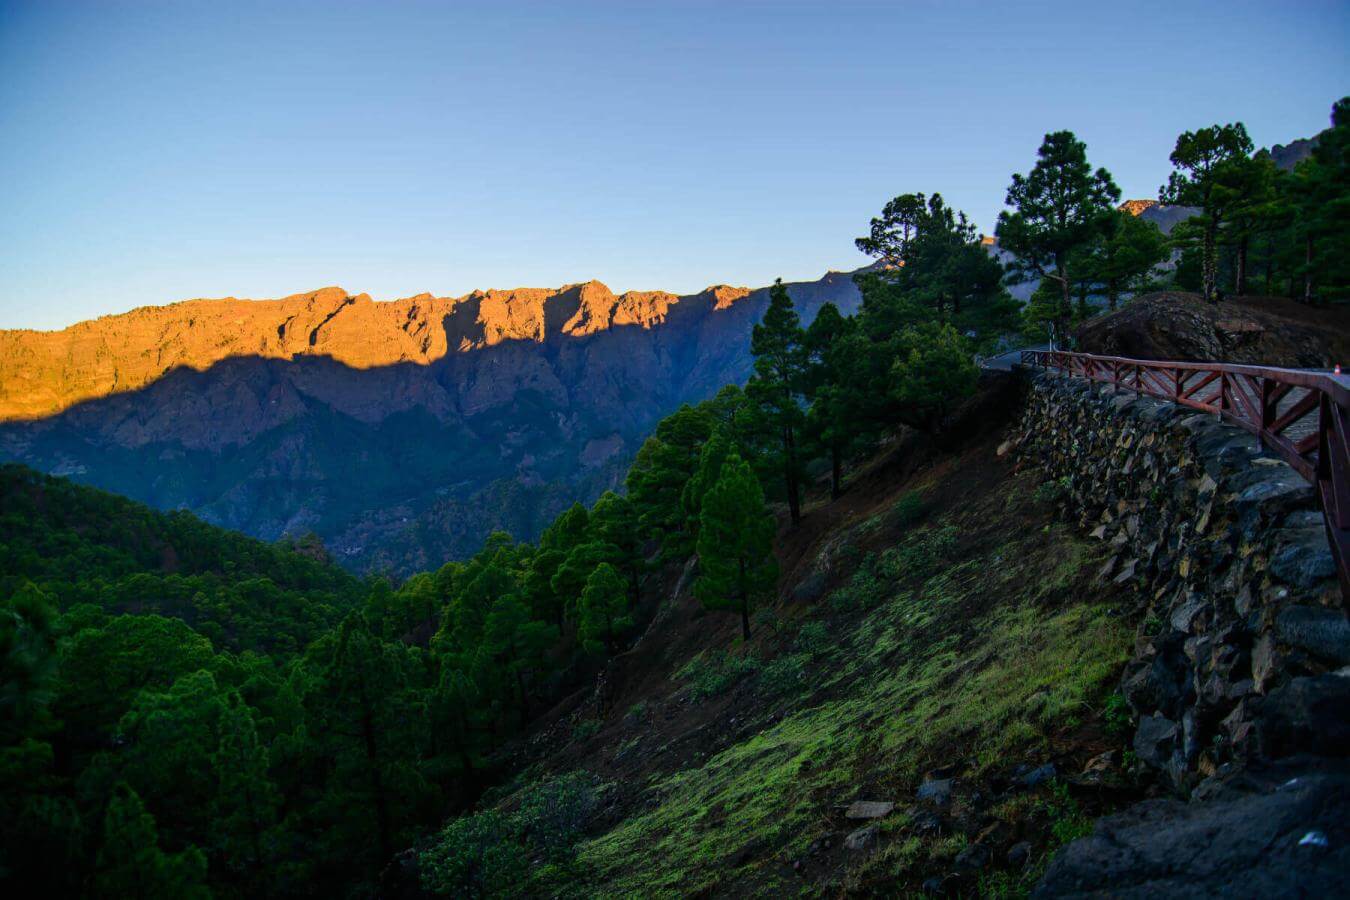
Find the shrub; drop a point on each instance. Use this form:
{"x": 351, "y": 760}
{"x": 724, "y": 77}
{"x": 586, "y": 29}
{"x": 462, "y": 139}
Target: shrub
{"x": 488, "y": 854}
{"x": 813, "y": 639}
{"x": 863, "y": 591}
{"x": 1116, "y": 716}
{"x": 585, "y": 729}
{"x": 554, "y": 813}
{"x": 919, "y": 555}
{"x": 785, "y": 675}
{"x": 909, "y": 510}
{"x": 474, "y": 856}
{"x": 1052, "y": 491}
{"x": 712, "y": 674}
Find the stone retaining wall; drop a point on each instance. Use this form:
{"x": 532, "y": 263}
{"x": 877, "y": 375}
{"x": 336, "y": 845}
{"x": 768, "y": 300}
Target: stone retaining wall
{"x": 1220, "y": 552}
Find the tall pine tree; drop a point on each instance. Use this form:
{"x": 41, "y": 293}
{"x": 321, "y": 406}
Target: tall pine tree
{"x": 1203, "y": 159}
{"x": 780, "y": 365}
{"x": 735, "y": 544}
{"x": 1058, "y": 208}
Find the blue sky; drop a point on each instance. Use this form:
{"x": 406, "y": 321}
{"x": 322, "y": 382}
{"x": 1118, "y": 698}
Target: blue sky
{"x": 155, "y": 152}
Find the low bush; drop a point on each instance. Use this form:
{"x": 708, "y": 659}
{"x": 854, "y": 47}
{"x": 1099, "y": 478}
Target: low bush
{"x": 489, "y": 853}
{"x": 785, "y": 675}
{"x": 712, "y": 674}
{"x": 584, "y": 729}
{"x": 909, "y": 510}
{"x": 813, "y": 639}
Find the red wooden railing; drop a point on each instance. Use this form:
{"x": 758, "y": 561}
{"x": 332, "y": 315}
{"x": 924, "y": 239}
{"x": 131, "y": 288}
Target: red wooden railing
{"x": 1302, "y": 415}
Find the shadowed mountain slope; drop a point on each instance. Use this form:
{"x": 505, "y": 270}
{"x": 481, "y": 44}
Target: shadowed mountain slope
{"x": 400, "y": 432}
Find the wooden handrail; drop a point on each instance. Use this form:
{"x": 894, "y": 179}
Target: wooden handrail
{"x": 1301, "y": 415}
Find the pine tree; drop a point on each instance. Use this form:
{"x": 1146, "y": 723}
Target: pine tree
{"x": 1319, "y": 192}
{"x": 570, "y": 579}
{"x": 735, "y": 544}
{"x": 933, "y": 370}
{"x": 515, "y": 646}
{"x": 1247, "y": 191}
{"x": 614, "y": 521}
{"x": 891, "y": 232}
{"x": 1059, "y": 207}
{"x": 780, "y": 363}
{"x": 130, "y": 863}
{"x": 713, "y": 454}
{"x": 367, "y": 721}
{"x": 1123, "y": 260}
{"x": 457, "y": 711}
{"x": 1203, "y": 159}
{"x": 659, "y": 473}
{"x": 828, "y": 420}
{"x": 601, "y": 613}
{"x": 246, "y": 805}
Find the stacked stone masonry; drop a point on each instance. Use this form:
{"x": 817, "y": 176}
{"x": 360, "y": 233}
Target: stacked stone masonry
{"x": 1220, "y": 553}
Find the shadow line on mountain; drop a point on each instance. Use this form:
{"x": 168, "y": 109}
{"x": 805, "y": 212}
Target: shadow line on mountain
{"x": 465, "y": 337}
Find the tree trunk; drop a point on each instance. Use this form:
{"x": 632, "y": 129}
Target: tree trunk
{"x": 1065, "y": 298}
{"x": 376, "y": 784}
{"x": 790, "y": 473}
{"x": 1209, "y": 262}
{"x": 836, "y": 472}
{"x": 745, "y": 603}
{"x": 255, "y": 839}
{"x": 1112, "y": 294}
{"x": 1240, "y": 277}
{"x": 1308, "y": 268}
{"x": 524, "y": 698}
{"x": 464, "y": 758}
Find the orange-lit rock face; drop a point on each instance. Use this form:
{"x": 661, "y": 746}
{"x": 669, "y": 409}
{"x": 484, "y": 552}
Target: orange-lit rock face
{"x": 401, "y": 432}
{"x": 1135, "y": 207}
{"x": 45, "y": 372}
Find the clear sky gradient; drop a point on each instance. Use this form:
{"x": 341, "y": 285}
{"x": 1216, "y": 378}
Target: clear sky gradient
{"x": 155, "y": 152}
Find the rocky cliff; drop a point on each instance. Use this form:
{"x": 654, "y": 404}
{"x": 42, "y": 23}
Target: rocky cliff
{"x": 401, "y": 432}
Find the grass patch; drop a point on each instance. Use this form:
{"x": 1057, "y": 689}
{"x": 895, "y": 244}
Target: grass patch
{"x": 917, "y": 675}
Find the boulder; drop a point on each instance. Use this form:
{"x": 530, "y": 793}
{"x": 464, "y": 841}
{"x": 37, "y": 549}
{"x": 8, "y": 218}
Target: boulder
{"x": 974, "y": 857}
{"x": 1325, "y": 633}
{"x": 1155, "y": 741}
{"x": 1309, "y": 714}
{"x": 1287, "y": 840}
{"x": 862, "y": 838}
{"x": 937, "y": 791}
{"x": 868, "y": 809}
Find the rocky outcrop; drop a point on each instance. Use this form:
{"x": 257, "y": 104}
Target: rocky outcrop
{"x": 1271, "y": 331}
{"x": 400, "y": 432}
{"x": 1220, "y": 553}
{"x": 1277, "y": 831}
